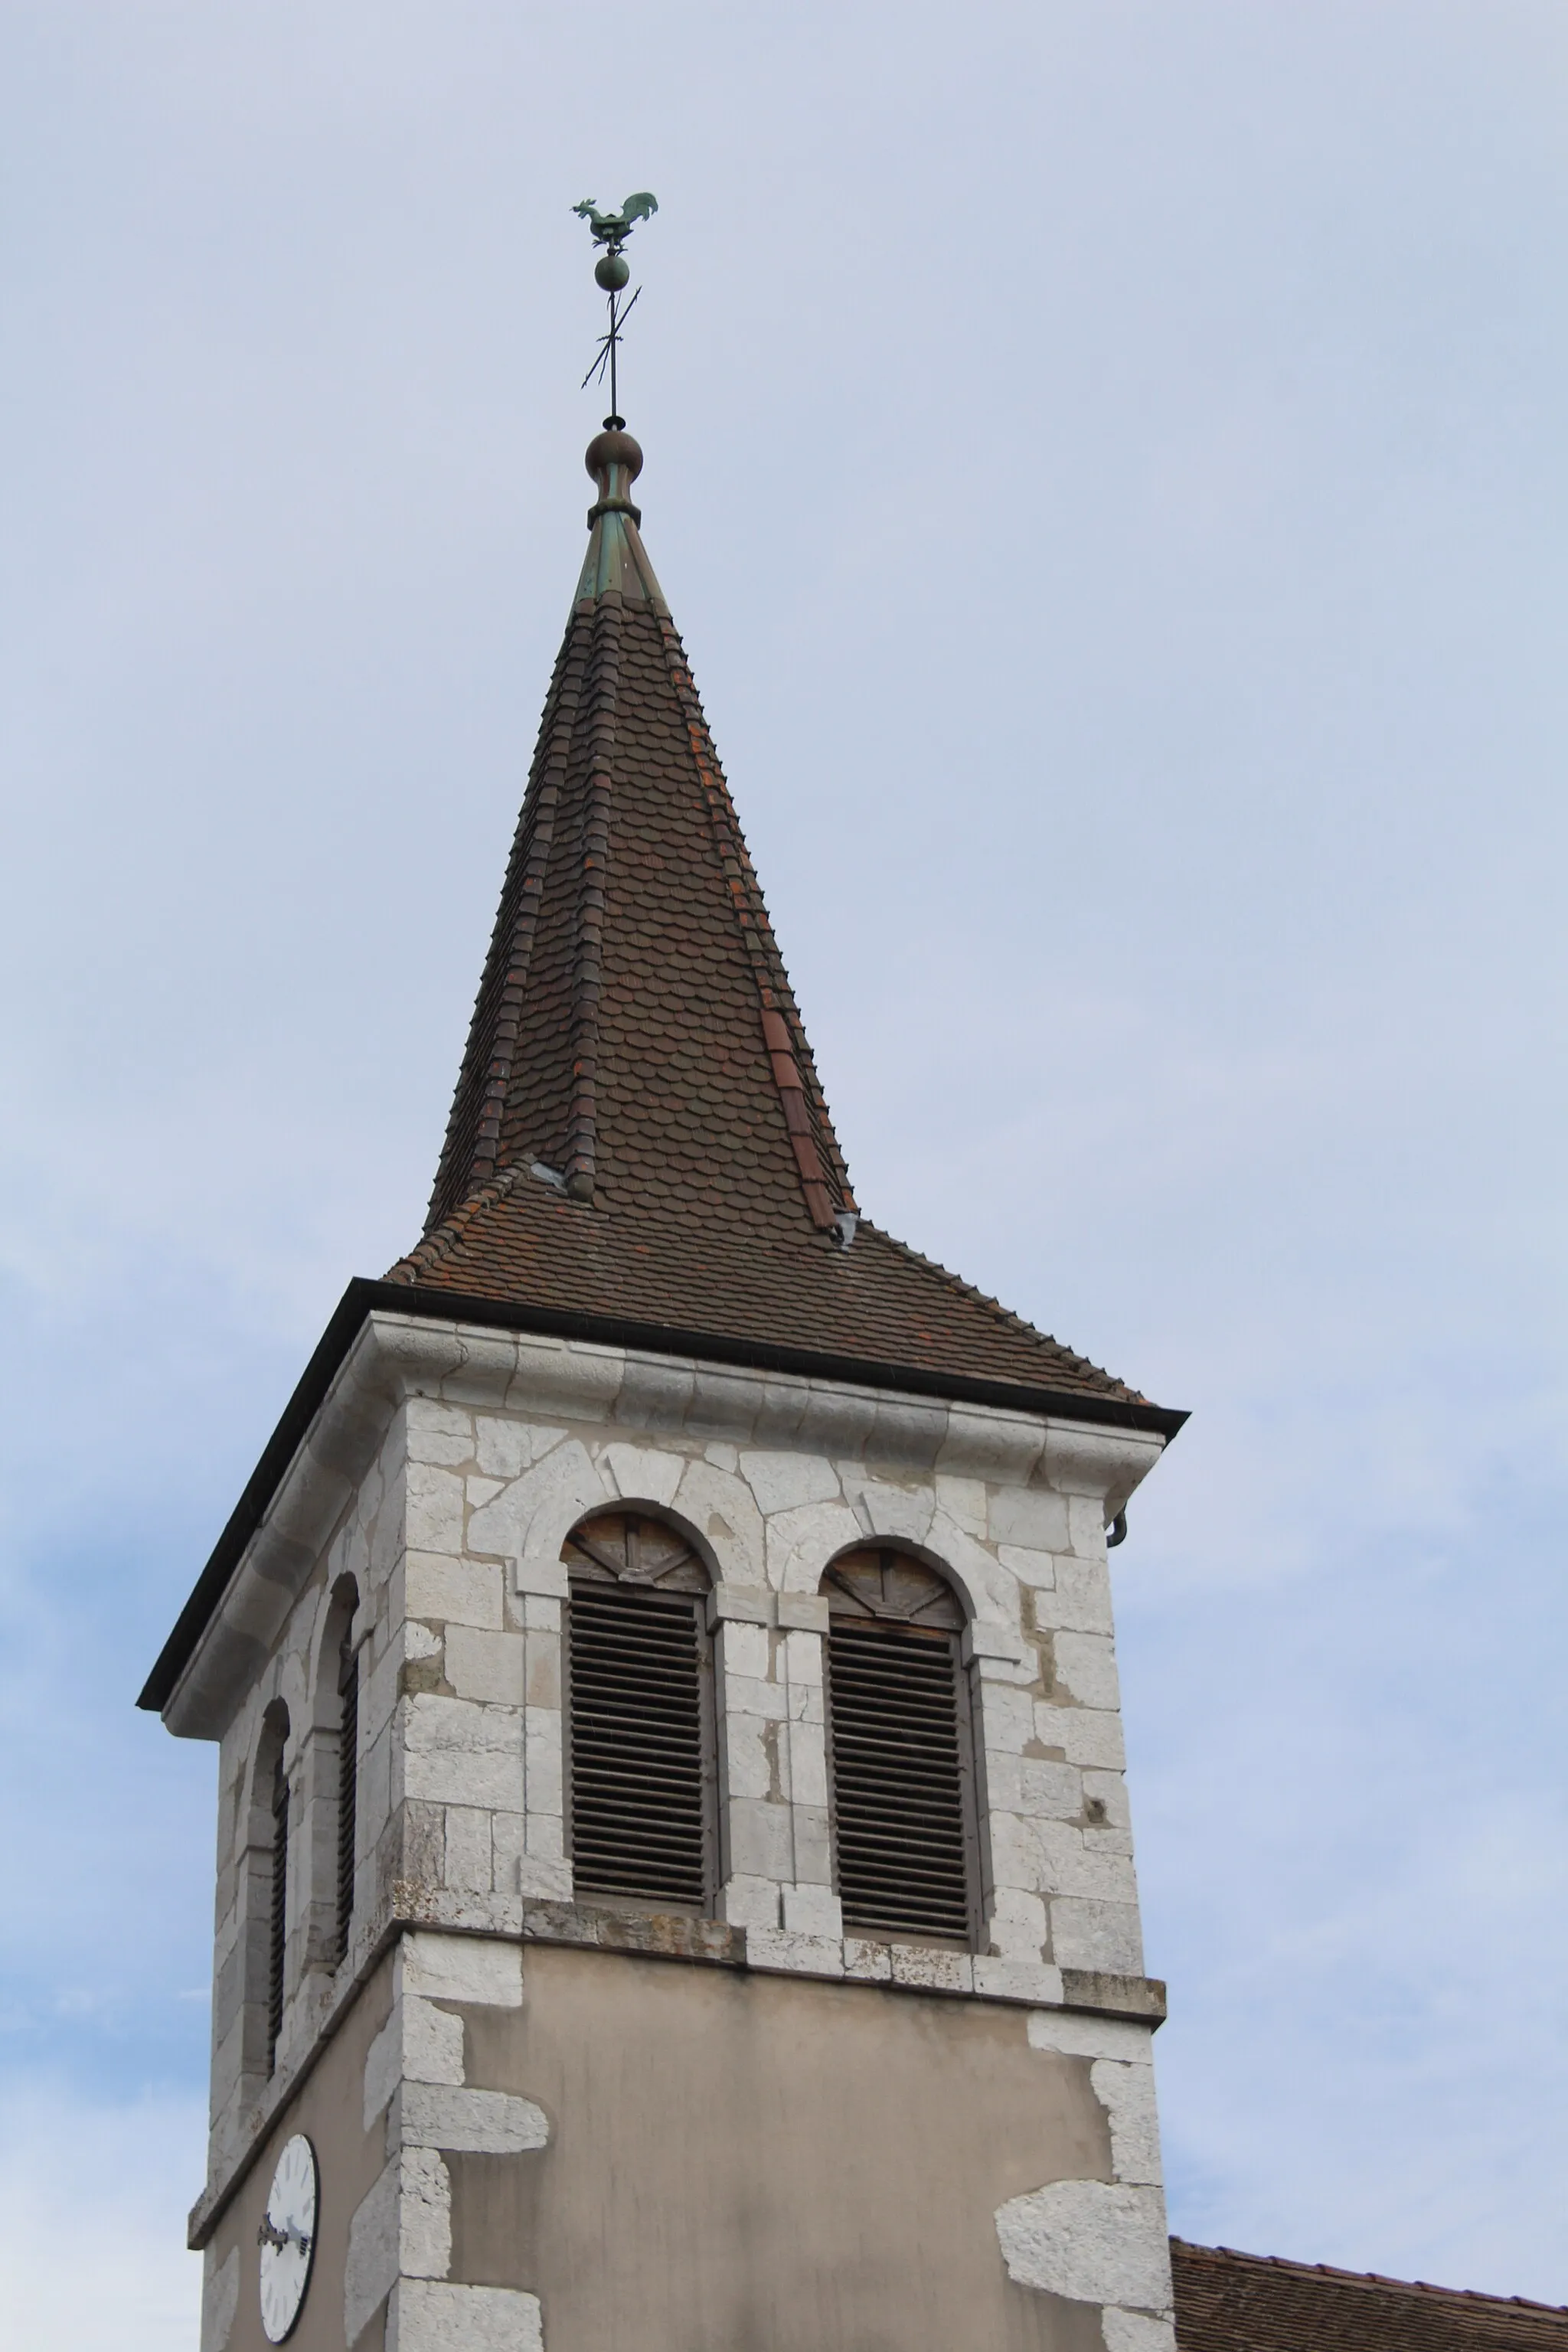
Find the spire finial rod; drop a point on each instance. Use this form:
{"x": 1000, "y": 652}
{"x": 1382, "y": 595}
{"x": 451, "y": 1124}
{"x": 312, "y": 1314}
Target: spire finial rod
{"x": 612, "y": 271}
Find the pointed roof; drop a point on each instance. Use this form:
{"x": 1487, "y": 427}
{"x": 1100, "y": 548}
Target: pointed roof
{"x": 639, "y": 1130}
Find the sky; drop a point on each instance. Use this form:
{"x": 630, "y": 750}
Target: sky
{"x": 1106, "y": 459}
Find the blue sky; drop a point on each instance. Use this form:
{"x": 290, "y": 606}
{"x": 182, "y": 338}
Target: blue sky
{"x": 1106, "y": 458}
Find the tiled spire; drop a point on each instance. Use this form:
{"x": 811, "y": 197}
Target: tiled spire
{"x": 634, "y": 1038}
{"x": 638, "y": 1130}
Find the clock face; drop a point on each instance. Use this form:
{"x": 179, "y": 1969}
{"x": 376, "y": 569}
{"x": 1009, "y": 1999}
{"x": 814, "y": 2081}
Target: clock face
{"x": 288, "y": 2238}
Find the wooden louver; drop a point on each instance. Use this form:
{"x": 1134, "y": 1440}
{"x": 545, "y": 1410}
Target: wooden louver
{"x": 348, "y": 1788}
{"x": 640, "y": 1714}
{"x": 277, "y": 1923}
{"x": 900, "y": 1742}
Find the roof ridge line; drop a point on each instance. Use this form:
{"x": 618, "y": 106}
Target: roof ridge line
{"x": 809, "y": 1128}
{"x": 1009, "y": 1320}
{"x": 514, "y": 954}
{"x": 442, "y": 1240}
{"x": 604, "y": 682}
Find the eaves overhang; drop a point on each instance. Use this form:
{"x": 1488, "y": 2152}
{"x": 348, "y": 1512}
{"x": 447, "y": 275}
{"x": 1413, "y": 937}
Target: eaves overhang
{"x": 363, "y": 1298}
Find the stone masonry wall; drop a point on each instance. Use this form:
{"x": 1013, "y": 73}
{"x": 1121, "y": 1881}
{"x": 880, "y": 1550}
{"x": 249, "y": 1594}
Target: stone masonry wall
{"x": 445, "y": 1473}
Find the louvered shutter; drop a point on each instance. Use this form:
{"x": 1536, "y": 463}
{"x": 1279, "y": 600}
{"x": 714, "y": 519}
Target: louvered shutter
{"x": 278, "y": 1924}
{"x": 347, "y": 1789}
{"x": 902, "y": 1780}
{"x": 640, "y": 1715}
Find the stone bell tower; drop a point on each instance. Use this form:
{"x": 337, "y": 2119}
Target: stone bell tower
{"x": 675, "y": 1890}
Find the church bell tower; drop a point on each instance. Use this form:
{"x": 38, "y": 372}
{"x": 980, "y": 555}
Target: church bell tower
{"x": 675, "y": 1891}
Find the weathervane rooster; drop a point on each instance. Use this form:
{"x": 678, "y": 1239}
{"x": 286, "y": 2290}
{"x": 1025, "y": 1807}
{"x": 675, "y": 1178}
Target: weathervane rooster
{"x": 612, "y": 271}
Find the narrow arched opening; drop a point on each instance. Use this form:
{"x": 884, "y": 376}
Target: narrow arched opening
{"x": 641, "y": 1783}
{"x": 901, "y": 1748}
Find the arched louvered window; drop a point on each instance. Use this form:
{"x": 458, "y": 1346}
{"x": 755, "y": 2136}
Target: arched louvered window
{"x": 640, "y": 1713}
{"x": 277, "y": 1923}
{"x": 901, "y": 1748}
{"x": 348, "y": 1777}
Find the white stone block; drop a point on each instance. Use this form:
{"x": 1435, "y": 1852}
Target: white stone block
{"x": 1016, "y": 1980}
{"x": 543, "y": 1681}
{"x": 645, "y": 1474}
{"x": 468, "y": 1869}
{"x": 1018, "y": 1924}
{"x": 1037, "y": 1569}
{"x": 781, "y": 1482}
{"x": 803, "y": 1659}
{"x": 1085, "y": 1735}
{"x": 934, "y": 1970}
{"x": 432, "y": 2044}
{"x": 440, "y": 1435}
{"x": 504, "y": 1447}
{"x": 760, "y": 1843}
{"x": 1135, "y": 2331}
{"x": 1080, "y": 1601}
{"x": 1085, "y": 1669}
{"x": 482, "y": 1664}
{"x": 749, "y": 1902}
{"x": 748, "y": 1758}
{"x": 462, "y": 1968}
{"x": 478, "y": 2122}
{"x": 803, "y": 1612}
{"x": 813, "y": 1846}
{"x": 430, "y": 2317}
{"x": 723, "y": 1456}
{"x": 1095, "y": 1935}
{"x": 1127, "y": 2094}
{"x": 801, "y": 1542}
{"x": 1006, "y": 1718}
{"x": 745, "y": 1650}
{"x": 803, "y": 1758}
{"x": 1086, "y": 1526}
{"x": 545, "y": 1577}
{"x": 1090, "y": 2241}
{"x": 744, "y": 1694}
{"x": 456, "y": 1752}
{"x": 433, "y": 1505}
{"x": 1109, "y": 1790}
{"x": 868, "y": 1962}
{"x": 897, "y": 1513}
{"x": 1080, "y": 2034}
{"x": 531, "y": 1516}
{"x": 544, "y": 1760}
{"x": 785, "y": 1955}
{"x": 750, "y": 1605}
{"x": 965, "y": 1502}
{"x": 452, "y": 1592}
{"x": 723, "y": 1510}
{"x": 545, "y": 1837}
{"x": 542, "y": 1612}
{"x": 989, "y": 1642}
{"x": 1030, "y": 1516}
{"x": 813, "y": 1911}
{"x": 574, "y": 1377}
{"x": 540, "y": 1880}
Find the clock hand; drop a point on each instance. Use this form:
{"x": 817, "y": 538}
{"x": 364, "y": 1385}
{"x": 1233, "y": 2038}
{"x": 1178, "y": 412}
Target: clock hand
{"x": 270, "y": 2234}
